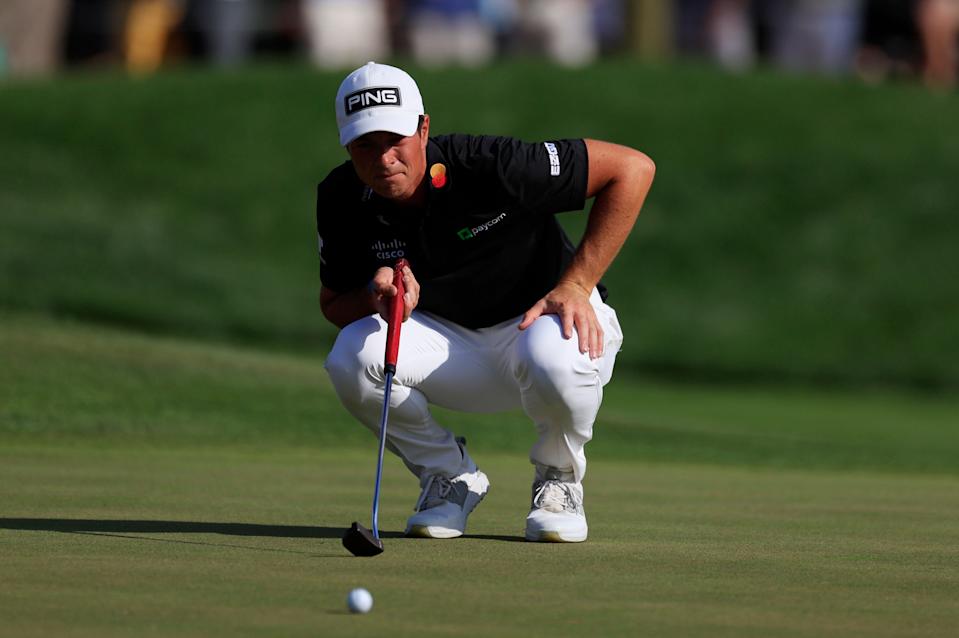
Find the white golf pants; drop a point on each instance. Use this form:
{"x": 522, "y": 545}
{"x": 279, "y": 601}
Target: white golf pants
{"x": 492, "y": 369}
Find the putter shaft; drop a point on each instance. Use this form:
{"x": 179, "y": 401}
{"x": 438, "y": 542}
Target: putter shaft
{"x": 379, "y": 462}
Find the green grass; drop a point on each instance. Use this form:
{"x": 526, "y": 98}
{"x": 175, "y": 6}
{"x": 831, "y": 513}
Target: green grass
{"x": 246, "y": 543}
{"x": 69, "y": 383}
{"x": 798, "y": 229}
{"x": 172, "y": 488}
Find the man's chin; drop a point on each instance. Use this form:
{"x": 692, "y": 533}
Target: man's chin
{"x": 390, "y": 191}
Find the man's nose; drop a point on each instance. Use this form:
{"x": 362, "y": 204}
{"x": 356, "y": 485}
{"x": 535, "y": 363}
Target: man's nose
{"x": 387, "y": 155}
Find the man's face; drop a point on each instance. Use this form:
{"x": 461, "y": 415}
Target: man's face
{"x": 392, "y": 165}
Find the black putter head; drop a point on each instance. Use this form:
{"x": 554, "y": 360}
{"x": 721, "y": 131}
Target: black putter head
{"x": 361, "y": 542}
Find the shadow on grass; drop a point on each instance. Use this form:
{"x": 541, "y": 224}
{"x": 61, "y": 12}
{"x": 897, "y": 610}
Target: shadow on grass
{"x": 172, "y": 527}
{"x": 497, "y": 537}
{"x": 120, "y": 527}
{"x": 128, "y": 529}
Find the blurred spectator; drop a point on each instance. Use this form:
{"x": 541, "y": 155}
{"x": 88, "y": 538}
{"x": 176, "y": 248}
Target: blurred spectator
{"x": 450, "y": 32}
{"x": 146, "y": 33}
{"x": 653, "y": 28}
{"x": 731, "y": 34}
{"x": 280, "y": 28}
{"x": 31, "y": 32}
{"x": 815, "y": 35}
{"x": 504, "y": 19}
{"x": 609, "y": 22}
{"x": 345, "y": 33}
{"x": 567, "y": 30}
{"x": 229, "y": 29}
{"x": 689, "y": 19}
{"x": 938, "y": 22}
{"x": 91, "y": 31}
{"x": 883, "y": 38}
{"x": 399, "y": 41}
{"x": 889, "y": 46}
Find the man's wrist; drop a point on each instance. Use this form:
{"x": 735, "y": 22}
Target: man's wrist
{"x": 584, "y": 288}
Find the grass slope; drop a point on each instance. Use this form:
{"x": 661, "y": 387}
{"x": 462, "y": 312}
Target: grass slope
{"x": 67, "y": 383}
{"x": 798, "y": 228}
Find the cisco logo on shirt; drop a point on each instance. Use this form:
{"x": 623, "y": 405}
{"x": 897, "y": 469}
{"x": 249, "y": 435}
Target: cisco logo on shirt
{"x": 389, "y": 250}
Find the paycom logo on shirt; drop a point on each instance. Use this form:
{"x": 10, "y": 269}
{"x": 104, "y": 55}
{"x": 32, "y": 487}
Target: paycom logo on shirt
{"x": 469, "y": 233}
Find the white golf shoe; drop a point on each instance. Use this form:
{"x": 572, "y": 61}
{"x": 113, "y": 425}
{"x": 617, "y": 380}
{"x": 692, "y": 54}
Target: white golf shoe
{"x": 556, "y": 514}
{"x": 445, "y": 503}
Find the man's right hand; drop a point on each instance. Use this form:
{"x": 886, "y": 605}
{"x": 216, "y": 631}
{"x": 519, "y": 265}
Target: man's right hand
{"x": 382, "y": 289}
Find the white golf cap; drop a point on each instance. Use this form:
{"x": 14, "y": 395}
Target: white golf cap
{"x": 377, "y": 97}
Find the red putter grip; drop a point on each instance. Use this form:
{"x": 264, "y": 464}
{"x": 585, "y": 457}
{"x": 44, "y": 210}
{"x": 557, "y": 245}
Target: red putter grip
{"x": 396, "y": 317}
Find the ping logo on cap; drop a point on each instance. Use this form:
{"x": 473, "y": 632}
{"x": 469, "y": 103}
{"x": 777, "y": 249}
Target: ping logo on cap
{"x": 373, "y": 96}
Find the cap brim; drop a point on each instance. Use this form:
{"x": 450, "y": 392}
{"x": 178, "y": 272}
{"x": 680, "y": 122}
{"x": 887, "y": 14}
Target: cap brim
{"x": 402, "y": 123}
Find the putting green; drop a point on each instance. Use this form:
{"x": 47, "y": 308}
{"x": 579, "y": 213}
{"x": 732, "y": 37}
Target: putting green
{"x": 167, "y": 488}
{"x": 116, "y": 542}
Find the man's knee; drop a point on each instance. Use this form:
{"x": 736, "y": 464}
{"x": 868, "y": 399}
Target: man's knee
{"x": 356, "y": 356}
{"x": 549, "y": 363}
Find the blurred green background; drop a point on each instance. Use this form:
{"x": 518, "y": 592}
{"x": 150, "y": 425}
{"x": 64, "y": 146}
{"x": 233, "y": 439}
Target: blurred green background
{"x": 800, "y": 230}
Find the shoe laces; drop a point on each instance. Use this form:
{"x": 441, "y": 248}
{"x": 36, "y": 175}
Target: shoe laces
{"x": 555, "y": 496}
{"x": 436, "y": 492}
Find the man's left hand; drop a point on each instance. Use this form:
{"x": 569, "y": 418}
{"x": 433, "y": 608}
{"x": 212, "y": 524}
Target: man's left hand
{"x": 571, "y": 302}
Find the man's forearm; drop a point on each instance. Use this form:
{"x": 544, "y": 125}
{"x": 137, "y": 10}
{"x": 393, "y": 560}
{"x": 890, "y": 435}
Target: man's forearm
{"x": 342, "y": 309}
{"x": 611, "y": 219}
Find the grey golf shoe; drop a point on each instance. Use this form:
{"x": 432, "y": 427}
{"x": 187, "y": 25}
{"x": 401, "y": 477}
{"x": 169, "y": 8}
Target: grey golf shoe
{"x": 556, "y": 514}
{"x": 445, "y": 503}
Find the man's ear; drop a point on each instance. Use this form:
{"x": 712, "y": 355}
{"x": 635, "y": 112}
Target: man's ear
{"x": 425, "y": 127}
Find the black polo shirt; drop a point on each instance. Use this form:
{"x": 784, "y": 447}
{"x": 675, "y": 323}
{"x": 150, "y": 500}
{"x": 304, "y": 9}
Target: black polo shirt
{"x": 486, "y": 246}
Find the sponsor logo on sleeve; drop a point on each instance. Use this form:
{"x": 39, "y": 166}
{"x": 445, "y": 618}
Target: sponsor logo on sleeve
{"x": 374, "y": 96}
{"x": 553, "y": 153}
{"x": 320, "y": 248}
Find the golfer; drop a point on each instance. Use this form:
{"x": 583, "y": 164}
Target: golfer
{"x": 501, "y": 310}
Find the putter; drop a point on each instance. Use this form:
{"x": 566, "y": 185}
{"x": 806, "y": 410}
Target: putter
{"x": 359, "y": 540}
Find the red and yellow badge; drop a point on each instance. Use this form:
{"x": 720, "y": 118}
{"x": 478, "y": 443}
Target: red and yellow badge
{"x": 438, "y": 175}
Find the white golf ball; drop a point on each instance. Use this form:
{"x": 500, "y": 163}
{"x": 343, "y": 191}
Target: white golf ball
{"x": 359, "y": 601}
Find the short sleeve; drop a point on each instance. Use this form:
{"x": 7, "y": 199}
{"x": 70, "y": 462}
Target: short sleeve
{"x": 544, "y": 177}
{"x": 340, "y": 270}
